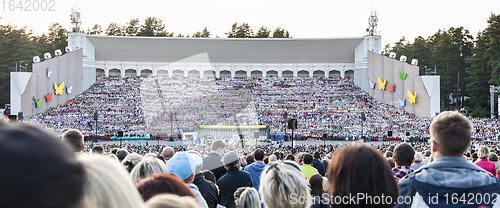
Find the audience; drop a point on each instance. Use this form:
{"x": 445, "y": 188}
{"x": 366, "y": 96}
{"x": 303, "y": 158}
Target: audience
{"x": 74, "y": 138}
{"x": 484, "y": 163}
{"x": 183, "y": 165}
{"x": 247, "y": 197}
{"x": 171, "y": 201}
{"x": 213, "y": 161}
{"x": 318, "y": 164}
{"x": 148, "y": 166}
{"x": 306, "y": 168}
{"x": 418, "y": 161}
{"x": 404, "y": 156}
{"x": 162, "y": 184}
{"x": 255, "y": 169}
{"x": 232, "y": 180}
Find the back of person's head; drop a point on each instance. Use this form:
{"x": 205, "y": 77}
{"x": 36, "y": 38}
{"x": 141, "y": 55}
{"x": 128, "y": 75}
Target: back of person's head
{"x": 418, "y": 157}
{"x": 308, "y": 159}
{"x": 388, "y": 154}
{"x": 131, "y": 161}
{"x": 107, "y": 183}
{"x": 258, "y": 154}
{"x": 348, "y": 175}
{"x": 114, "y": 157}
{"x": 290, "y": 157}
{"x": 148, "y": 166}
{"x": 249, "y": 159}
{"x": 391, "y": 148}
{"x": 230, "y": 159}
{"x": 74, "y": 138}
{"x": 48, "y": 175}
{"x": 246, "y": 197}
{"x": 483, "y": 152}
{"x": 121, "y": 154}
{"x": 162, "y": 184}
{"x": 113, "y": 151}
{"x": 493, "y": 157}
{"x": 209, "y": 175}
{"x": 427, "y": 153}
{"x": 317, "y": 155}
{"x": 391, "y": 163}
{"x": 98, "y": 149}
{"x": 451, "y": 131}
{"x": 404, "y": 154}
{"x": 325, "y": 163}
{"x": 217, "y": 144}
{"x": 281, "y": 183}
{"x": 474, "y": 156}
{"x": 273, "y": 158}
{"x": 316, "y": 182}
{"x": 168, "y": 152}
{"x": 172, "y": 201}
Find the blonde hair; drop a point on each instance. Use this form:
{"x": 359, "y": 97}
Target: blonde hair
{"x": 131, "y": 160}
{"x": 418, "y": 157}
{"x": 483, "y": 152}
{"x": 148, "y": 166}
{"x": 171, "y": 201}
{"x": 113, "y": 156}
{"x": 249, "y": 198}
{"x": 282, "y": 185}
{"x": 272, "y": 158}
{"x": 107, "y": 184}
{"x": 451, "y": 131}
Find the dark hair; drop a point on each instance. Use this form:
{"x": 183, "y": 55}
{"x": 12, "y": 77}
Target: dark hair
{"x": 162, "y": 183}
{"x": 493, "y": 157}
{"x": 404, "y": 154}
{"x": 233, "y": 164}
{"x": 474, "y": 156}
{"x": 388, "y": 154}
{"x": 74, "y": 138}
{"x": 209, "y": 175}
{"x": 98, "y": 149}
{"x": 347, "y": 174}
{"x": 217, "y": 144}
{"x": 114, "y": 150}
{"x": 316, "y": 182}
{"x": 258, "y": 154}
{"x": 121, "y": 154}
{"x": 290, "y": 157}
{"x": 308, "y": 159}
{"x": 391, "y": 163}
{"x": 266, "y": 160}
{"x": 391, "y": 148}
{"x": 325, "y": 163}
{"x": 317, "y": 155}
{"x": 451, "y": 132}
{"x": 249, "y": 158}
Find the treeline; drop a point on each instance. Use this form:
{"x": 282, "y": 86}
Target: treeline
{"x": 467, "y": 66}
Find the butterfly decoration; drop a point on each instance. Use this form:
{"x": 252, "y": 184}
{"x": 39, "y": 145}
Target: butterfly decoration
{"x": 48, "y": 97}
{"x": 381, "y": 85}
{"x": 401, "y": 102}
{"x": 38, "y": 103}
{"x": 402, "y": 75}
{"x": 391, "y": 87}
{"x": 372, "y": 85}
{"x": 69, "y": 89}
{"x": 49, "y": 73}
{"x": 59, "y": 89}
{"x": 411, "y": 97}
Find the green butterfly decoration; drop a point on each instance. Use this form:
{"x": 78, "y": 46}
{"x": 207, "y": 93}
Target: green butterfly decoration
{"x": 39, "y": 103}
{"x": 402, "y": 75}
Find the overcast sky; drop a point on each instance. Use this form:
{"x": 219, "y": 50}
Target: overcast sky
{"x": 303, "y": 19}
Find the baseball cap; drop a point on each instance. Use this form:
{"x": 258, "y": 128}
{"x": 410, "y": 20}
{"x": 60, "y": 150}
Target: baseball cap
{"x": 183, "y": 164}
{"x": 230, "y": 157}
{"x": 38, "y": 170}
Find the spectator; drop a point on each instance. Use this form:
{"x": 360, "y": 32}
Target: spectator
{"x": 249, "y": 159}
{"x": 427, "y": 157}
{"x": 73, "y": 138}
{"x": 318, "y": 164}
{"x": 183, "y": 165}
{"x": 148, "y": 166}
{"x": 107, "y": 184}
{"x": 131, "y": 160}
{"x": 255, "y": 169}
{"x": 98, "y": 149}
{"x": 207, "y": 188}
{"x": 114, "y": 157}
{"x": 162, "y": 184}
{"x": 209, "y": 175}
{"x": 306, "y": 168}
{"x": 289, "y": 157}
{"x": 489, "y": 166}
{"x": 171, "y": 201}
{"x": 449, "y": 173}
{"x": 246, "y": 197}
{"x": 316, "y": 183}
{"x": 168, "y": 152}
{"x": 121, "y": 154}
{"x": 418, "y": 161}
{"x": 272, "y": 159}
{"x": 232, "y": 180}
{"x": 404, "y": 155}
{"x": 348, "y": 175}
{"x": 212, "y": 161}
{"x": 37, "y": 169}
{"x": 494, "y": 158}
{"x": 282, "y": 184}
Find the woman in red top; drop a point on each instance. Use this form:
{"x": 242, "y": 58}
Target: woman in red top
{"x": 483, "y": 162}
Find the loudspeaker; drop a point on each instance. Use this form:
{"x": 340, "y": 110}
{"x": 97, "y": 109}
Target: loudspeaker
{"x": 95, "y": 116}
{"x": 120, "y": 133}
{"x": 13, "y": 118}
{"x": 389, "y": 133}
{"x": 363, "y": 116}
{"x": 292, "y": 123}
{"x": 20, "y": 115}
{"x": 407, "y": 133}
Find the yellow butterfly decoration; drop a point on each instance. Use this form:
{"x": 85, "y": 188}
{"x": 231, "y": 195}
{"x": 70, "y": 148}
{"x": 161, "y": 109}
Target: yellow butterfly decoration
{"x": 59, "y": 89}
{"x": 381, "y": 85}
{"x": 411, "y": 97}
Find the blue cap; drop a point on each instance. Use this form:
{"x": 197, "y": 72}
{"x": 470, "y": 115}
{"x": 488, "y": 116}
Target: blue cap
{"x": 183, "y": 164}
